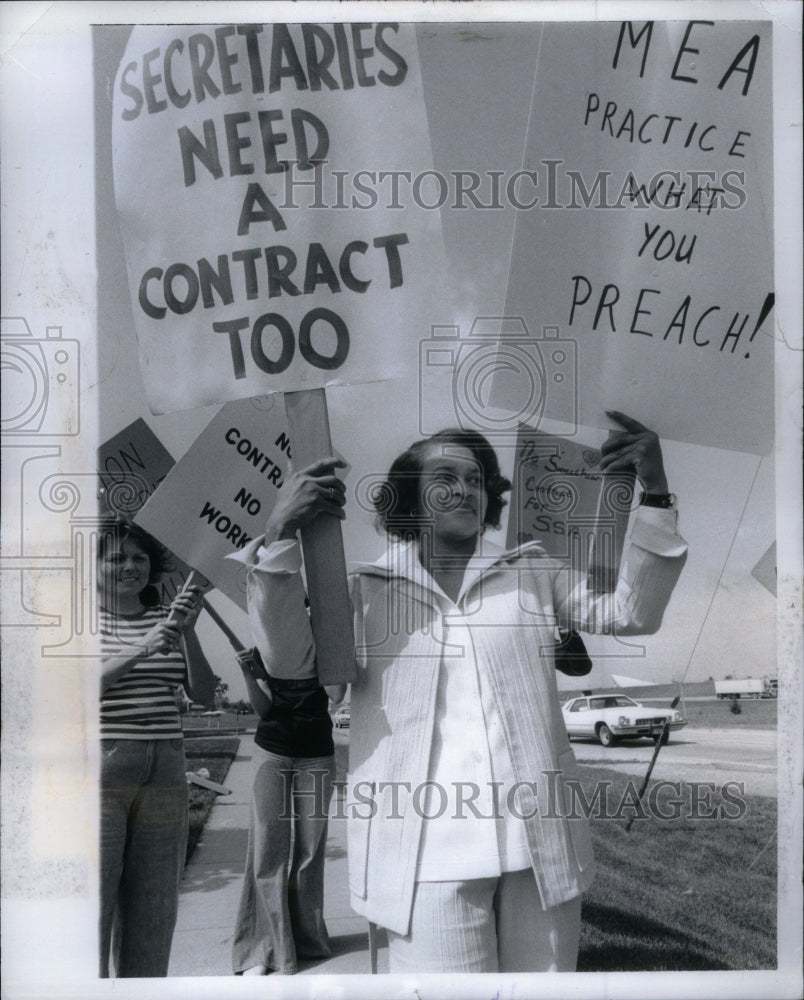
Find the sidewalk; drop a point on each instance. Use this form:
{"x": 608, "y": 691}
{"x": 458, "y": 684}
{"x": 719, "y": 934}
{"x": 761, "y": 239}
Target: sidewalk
{"x": 210, "y": 890}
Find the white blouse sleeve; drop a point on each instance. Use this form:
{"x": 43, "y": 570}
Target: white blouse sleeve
{"x": 651, "y": 565}
{"x": 276, "y": 607}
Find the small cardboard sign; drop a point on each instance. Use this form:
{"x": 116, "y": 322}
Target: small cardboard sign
{"x": 562, "y": 499}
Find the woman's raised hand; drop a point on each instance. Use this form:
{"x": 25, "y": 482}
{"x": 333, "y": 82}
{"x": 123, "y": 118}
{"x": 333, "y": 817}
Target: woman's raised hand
{"x": 306, "y": 494}
{"x": 184, "y": 611}
{"x": 187, "y": 604}
{"x": 635, "y": 448}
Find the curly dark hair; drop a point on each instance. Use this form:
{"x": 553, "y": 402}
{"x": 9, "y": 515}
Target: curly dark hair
{"x": 117, "y": 531}
{"x": 396, "y": 500}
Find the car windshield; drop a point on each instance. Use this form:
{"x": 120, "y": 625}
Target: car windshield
{"x": 612, "y": 701}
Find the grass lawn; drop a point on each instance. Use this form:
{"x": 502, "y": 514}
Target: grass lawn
{"x": 759, "y": 714}
{"x": 216, "y": 755}
{"x": 680, "y": 894}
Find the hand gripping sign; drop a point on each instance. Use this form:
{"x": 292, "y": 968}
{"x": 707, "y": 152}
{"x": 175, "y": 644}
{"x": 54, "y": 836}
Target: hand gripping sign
{"x": 255, "y": 263}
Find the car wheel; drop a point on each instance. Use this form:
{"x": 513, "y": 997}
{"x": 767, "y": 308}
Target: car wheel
{"x": 605, "y": 735}
{"x": 663, "y": 738}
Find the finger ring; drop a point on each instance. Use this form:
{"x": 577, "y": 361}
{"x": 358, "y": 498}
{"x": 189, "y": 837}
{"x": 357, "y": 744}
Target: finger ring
{"x": 331, "y": 493}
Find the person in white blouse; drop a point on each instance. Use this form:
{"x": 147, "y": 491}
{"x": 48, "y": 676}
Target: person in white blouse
{"x": 463, "y": 842}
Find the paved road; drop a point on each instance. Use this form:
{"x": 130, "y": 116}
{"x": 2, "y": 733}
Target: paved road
{"x": 744, "y": 755}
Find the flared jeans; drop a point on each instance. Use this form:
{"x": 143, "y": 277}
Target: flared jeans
{"x": 281, "y": 914}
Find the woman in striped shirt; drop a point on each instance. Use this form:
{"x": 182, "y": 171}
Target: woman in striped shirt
{"x": 144, "y": 806}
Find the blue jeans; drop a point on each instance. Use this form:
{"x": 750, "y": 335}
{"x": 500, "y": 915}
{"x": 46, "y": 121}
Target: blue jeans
{"x": 143, "y": 841}
{"x": 281, "y": 913}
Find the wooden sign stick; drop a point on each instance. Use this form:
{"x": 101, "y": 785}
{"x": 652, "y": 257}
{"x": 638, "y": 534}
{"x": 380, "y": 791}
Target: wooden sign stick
{"x": 194, "y": 579}
{"x": 255, "y": 672}
{"x": 235, "y": 643}
{"x": 322, "y": 546}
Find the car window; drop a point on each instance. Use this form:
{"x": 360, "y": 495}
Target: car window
{"x": 578, "y": 706}
{"x": 597, "y": 703}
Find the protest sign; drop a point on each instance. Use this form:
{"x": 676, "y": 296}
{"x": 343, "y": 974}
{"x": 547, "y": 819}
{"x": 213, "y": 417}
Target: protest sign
{"x": 648, "y": 243}
{"x": 131, "y": 466}
{"x": 219, "y": 494}
{"x": 764, "y": 571}
{"x": 260, "y": 256}
{"x": 561, "y": 498}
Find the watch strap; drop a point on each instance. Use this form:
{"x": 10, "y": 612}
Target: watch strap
{"x": 665, "y": 501}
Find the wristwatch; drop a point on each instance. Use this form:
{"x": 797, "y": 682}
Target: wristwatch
{"x": 665, "y": 501}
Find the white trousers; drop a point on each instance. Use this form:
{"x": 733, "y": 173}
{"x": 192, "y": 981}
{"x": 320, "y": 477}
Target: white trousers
{"x": 487, "y": 925}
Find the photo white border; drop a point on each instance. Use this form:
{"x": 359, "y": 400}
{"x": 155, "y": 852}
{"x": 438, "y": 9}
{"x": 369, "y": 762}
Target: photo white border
{"x": 32, "y": 931}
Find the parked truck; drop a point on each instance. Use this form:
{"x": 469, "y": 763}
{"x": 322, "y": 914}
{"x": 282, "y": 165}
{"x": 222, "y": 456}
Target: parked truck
{"x": 747, "y": 687}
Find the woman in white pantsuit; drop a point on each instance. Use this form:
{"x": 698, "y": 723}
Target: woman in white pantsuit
{"x": 460, "y": 767}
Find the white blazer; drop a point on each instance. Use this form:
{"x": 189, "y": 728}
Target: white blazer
{"x": 511, "y": 602}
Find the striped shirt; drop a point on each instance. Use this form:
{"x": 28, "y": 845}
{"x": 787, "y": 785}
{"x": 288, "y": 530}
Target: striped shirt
{"x": 140, "y": 705}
